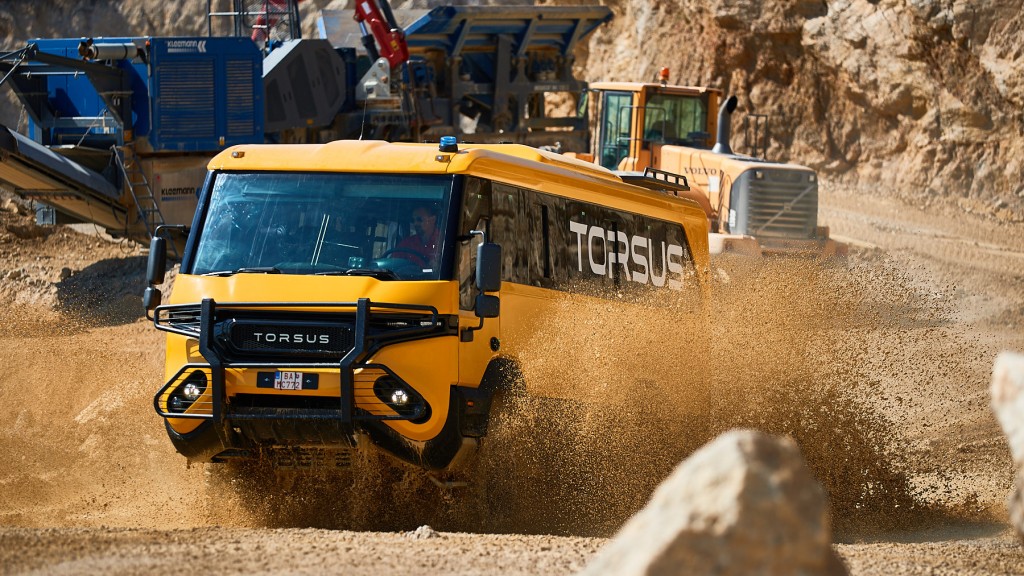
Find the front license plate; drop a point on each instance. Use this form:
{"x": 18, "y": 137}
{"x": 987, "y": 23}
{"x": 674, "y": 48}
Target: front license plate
{"x": 285, "y": 380}
{"x": 288, "y": 380}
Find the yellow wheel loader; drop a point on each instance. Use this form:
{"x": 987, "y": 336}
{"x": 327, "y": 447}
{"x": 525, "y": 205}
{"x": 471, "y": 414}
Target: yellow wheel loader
{"x": 754, "y": 206}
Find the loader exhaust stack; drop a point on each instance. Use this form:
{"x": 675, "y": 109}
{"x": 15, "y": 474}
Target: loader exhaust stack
{"x": 725, "y": 126}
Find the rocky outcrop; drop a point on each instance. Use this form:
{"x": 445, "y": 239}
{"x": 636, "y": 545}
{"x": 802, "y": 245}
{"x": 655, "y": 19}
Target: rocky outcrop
{"x": 743, "y": 504}
{"x": 1008, "y": 404}
{"x": 916, "y": 98}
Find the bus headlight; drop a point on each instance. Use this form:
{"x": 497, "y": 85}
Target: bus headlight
{"x": 185, "y": 395}
{"x": 399, "y": 398}
{"x": 191, "y": 391}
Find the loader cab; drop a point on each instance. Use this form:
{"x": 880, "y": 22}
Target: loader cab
{"x": 635, "y": 119}
{"x": 685, "y": 130}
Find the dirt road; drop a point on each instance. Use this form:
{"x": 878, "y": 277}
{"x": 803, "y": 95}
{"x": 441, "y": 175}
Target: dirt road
{"x": 894, "y": 352}
{"x": 976, "y": 265}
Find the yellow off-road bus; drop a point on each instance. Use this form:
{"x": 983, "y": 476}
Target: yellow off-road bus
{"x": 353, "y": 294}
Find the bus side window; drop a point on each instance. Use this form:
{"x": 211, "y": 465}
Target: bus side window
{"x": 541, "y": 273}
{"x": 474, "y": 215}
{"x": 510, "y": 228}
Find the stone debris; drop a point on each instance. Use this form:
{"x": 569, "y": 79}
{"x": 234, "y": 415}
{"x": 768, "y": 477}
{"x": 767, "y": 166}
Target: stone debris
{"x": 1008, "y": 404}
{"x": 423, "y": 533}
{"x": 743, "y": 504}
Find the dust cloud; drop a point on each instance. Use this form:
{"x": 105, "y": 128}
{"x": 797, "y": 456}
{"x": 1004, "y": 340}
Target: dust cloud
{"x": 80, "y": 444}
{"x": 618, "y": 392}
{"x": 784, "y": 346}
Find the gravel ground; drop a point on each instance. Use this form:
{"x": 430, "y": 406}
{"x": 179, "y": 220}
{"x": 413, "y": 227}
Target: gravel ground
{"x": 89, "y": 482}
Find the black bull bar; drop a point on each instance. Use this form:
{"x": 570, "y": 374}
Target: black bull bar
{"x": 200, "y": 322}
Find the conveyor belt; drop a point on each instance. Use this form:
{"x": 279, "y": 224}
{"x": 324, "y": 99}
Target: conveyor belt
{"x": 37, "y": 172}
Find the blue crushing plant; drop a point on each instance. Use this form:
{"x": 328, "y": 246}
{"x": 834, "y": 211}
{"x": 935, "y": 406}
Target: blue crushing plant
{"x": 120, "y": 129}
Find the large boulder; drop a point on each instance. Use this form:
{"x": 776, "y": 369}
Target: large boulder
{"x": 743, "y": 504}
{"x": 1008, "y": 404}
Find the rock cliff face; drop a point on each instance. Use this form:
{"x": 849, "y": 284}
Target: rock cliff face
{"x": 915, "y": 98}
{"x": 918, "y": 98}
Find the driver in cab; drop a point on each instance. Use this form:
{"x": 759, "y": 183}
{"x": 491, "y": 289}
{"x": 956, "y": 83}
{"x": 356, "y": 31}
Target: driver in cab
{"x": 421, "y": 246}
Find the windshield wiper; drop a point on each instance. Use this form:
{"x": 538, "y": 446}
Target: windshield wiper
{"x": 251, "y": 270}
{"x": 378, "y": 273}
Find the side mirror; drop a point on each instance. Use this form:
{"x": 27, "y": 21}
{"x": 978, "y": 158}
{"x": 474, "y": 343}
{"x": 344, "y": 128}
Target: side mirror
{"x": 156, "y": 267}
{"x": 488, "y": 267}
{"x": 487, "y": 306}
{"x": 151, "y": 298}
{"x": 488, "y": 279}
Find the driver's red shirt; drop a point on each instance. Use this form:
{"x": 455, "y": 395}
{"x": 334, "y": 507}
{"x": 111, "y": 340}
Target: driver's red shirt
{"x": 427, "y": 250}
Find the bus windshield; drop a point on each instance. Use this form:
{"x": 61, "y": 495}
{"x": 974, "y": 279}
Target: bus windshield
{"x": 392, "y": 227}
{"x": 677, "y": 119}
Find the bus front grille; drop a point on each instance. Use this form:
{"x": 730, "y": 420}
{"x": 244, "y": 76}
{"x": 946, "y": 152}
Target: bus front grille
{"x": 248, "y": 337}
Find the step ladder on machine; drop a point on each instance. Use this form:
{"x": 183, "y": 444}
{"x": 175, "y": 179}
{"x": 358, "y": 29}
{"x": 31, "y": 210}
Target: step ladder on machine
{"x": 142, "y": 193}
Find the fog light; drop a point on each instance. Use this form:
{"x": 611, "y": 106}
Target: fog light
{"x": 191, "y": 391}
{"x": 176, "y": 404}
{"x": 399, "y": 398}
{"x": 187, "y": 393}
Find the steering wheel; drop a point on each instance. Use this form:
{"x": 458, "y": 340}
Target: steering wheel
{"x": 420, "y": 259}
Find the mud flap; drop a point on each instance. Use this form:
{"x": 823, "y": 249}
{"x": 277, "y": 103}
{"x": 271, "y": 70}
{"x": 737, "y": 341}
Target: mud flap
{"x": 199, "y": 445}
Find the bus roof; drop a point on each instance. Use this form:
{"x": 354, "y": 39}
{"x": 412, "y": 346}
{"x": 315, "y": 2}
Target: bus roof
{"x": 380, "y": 156}
{"x": 513, "y": 163}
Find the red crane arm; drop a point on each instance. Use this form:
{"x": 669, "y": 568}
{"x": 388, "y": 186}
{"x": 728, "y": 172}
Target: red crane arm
{"x": 390, "y": 38}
